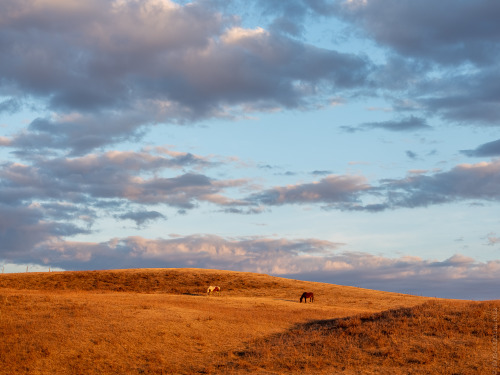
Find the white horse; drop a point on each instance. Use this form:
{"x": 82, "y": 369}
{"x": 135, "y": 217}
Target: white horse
{"x": 213, "y": 289}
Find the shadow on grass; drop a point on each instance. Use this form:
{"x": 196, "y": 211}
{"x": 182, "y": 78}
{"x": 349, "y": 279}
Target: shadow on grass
{"x": 435, "y": 337}
{"x": 286, "y": 300}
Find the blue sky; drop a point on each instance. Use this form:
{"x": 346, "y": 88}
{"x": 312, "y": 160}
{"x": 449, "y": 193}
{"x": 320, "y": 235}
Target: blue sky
{"x": 355, "y": 142}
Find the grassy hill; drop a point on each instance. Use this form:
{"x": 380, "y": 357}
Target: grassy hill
{"x": 160, "y": 321}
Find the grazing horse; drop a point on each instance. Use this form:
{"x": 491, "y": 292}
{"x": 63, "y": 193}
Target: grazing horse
{"x": 213, "y": 289}
{"x": 307, "y": 295}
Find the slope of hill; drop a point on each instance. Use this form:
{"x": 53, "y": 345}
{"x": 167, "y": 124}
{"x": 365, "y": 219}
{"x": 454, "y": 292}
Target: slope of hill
{"x": 160, "y": 321}
{"x": 432, "y": 338}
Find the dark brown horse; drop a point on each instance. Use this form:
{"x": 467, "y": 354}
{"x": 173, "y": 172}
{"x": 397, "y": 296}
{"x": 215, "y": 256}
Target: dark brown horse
{"x": 307, "y": 295}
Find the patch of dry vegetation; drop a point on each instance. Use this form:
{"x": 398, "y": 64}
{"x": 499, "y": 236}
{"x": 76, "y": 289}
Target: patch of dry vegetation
{"x": 437, "y": 337}
{"x": 176, "y": 281}
{"x": 160, "y": 321}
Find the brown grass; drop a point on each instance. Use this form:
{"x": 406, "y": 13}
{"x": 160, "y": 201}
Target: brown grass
{"x": 159, "y": 321}
{"x": 432, "y": 338}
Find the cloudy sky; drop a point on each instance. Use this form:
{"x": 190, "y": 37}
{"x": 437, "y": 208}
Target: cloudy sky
{"x": 355, "y": 142}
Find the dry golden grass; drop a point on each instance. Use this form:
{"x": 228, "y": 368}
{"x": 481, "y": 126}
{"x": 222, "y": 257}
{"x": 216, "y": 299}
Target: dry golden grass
{"x": 432, "y": 338}
{"x": 160, "y": 321}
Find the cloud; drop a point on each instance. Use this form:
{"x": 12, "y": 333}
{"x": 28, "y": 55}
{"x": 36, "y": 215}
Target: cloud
{"x": 320, "y": 173}
{"x": 442, "y": 56}
{"x": 68, "y": 212}
{"x": 448, "y": 32}
{"x": 123, "y": 175}
{"x": 141, "y": 218}
{"x": 334, "y": 190}
{"x": 206, "y": 251}
{"x": 11, "y": 105}
{"x": 286, "y": 17}
{"x": 244, "y": 211}
{"x": 148, "y": 160}
{"x": 487, "y": 149}
{"x": 24, "y": 227}
{"x": 79, "y": 133}
{"x": 465, "y": 182}
{"x": 412, "y": 155}
{"x": 181, "y": 191}
{"x": 107, "y": 81}
{"x": 411, "y": 123}
{"x": 82, "y": 55}
{"x": 479, "y": 181}
{"x": 49, "y": 198}
{"x": 100, "y": 83}
{"x": 456, "y": 277}
{"x": 465, "y": 97}
{"x": 74, "y": 190}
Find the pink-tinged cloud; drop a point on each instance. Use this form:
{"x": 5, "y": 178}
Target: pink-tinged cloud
{"x": 206, "y": 251}
{"x": 331, "y": 190}
{"x": 465, "y": 182}
{"x": 22, "y": 228}
{"x": 479, "y": 181}
{"x": 132, "y": 176}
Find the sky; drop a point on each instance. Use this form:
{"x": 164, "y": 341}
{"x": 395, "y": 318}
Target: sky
{"x": 354, "y": 142}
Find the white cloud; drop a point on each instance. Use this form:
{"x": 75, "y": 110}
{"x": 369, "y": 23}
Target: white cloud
{"x": 236, "y": 35}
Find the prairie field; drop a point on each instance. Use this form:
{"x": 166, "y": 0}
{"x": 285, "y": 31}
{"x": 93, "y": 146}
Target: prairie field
{"x": 161, "y": 321}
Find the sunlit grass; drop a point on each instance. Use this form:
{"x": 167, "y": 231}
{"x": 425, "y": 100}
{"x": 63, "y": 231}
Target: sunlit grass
{"x": 162, "y": 322}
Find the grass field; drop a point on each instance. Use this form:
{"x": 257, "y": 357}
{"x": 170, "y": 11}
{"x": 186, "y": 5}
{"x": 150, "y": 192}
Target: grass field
{"x": 160, "y": 321}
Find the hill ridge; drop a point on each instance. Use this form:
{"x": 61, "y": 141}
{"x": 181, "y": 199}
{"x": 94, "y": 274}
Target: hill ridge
{"x": 150, "y": 280}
